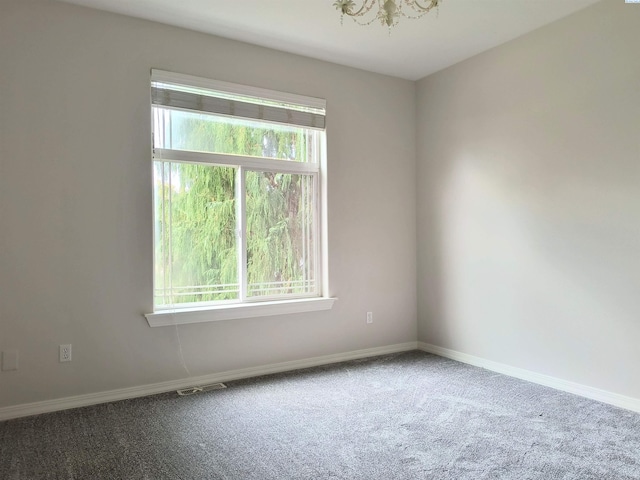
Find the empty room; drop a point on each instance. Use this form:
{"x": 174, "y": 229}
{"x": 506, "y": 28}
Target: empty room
{"x": 314, "y": 239}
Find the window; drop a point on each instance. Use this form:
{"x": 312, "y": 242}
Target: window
{"x": 237, "y": 194}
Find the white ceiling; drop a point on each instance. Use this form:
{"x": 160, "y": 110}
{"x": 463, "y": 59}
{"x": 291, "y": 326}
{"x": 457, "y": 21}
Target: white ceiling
{"x": 414, "y": 49}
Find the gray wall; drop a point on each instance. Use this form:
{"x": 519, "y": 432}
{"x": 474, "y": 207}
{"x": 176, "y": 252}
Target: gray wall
{"x": 529, "y": 201}
{"x": 75, "y": 204}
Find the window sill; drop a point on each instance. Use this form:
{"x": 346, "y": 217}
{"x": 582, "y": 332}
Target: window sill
{"x": 245, "y": 310}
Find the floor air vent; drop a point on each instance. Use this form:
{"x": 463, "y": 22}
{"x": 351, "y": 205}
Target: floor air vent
{"x": 204, "y": 388}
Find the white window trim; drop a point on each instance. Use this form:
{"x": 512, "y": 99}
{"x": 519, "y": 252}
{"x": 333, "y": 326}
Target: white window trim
{"x": 216, "y": 313}
{"x": 221, "y": 312}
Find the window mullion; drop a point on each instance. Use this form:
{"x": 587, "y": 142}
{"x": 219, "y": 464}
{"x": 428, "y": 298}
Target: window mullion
{"x": 170, "y": 234}
{"x": 241, "y": 225}
{"x": 315, "y": 226}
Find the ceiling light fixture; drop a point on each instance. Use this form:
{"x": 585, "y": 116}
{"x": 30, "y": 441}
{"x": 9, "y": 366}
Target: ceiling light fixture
{"x": 388, "y": 12}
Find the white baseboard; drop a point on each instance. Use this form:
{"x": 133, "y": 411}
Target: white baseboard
{"x": 604, "y": 396}
{"x": 46, "y": 406}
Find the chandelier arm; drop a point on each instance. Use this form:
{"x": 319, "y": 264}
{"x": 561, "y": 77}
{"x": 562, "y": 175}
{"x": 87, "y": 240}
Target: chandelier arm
{"x": 419, "y": 13}
{"x": 423, "y": 9}
{"x": 365, "y": 7}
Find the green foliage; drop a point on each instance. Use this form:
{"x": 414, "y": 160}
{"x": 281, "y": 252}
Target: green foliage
{"x": 276, "y": 214}
{"x": 203, "y": 240}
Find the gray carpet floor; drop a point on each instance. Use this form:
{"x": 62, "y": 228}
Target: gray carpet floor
{"x": 404, "y": 416}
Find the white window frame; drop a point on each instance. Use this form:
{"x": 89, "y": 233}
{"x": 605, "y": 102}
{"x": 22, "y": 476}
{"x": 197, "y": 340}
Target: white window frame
{"x": 262, "y": 305}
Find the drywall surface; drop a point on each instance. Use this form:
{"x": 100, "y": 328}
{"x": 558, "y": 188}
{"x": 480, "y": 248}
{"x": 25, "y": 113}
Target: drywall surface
{"x": 76, "y": 204}
{"x": 529, "y": 201}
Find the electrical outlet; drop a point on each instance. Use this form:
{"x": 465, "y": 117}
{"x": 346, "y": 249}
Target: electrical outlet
{"x": 9, "y": 360}
{"x": 65, "y": 353}
{"x": 369, "y": 317}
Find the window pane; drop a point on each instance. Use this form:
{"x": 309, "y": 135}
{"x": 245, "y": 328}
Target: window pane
{"x": 280, "y": 234}
{"x": 195, "y": 228}
{"x": 201, "y": 132}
